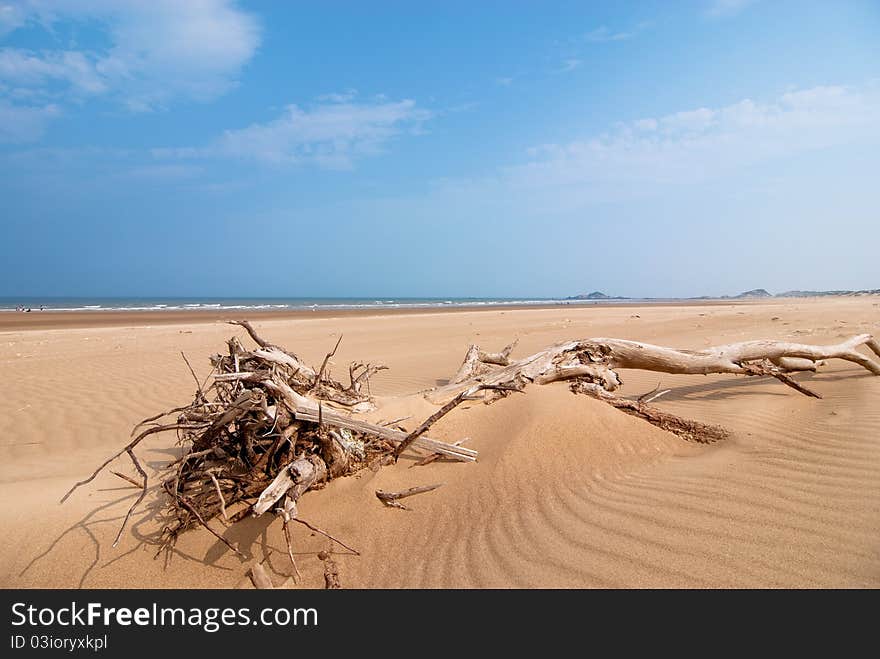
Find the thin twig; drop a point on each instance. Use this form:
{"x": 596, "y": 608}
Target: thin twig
{"x": 768, "y": 368}
{"x": 159, "y": 416}
{"x": 433, "y": 457}
{"x": 286, "y": 527}
{"x": 422, "y": 429}
{"x": 208, "y": 377}
{"x": 645, "y": 395}
{"x": 128, "y": 448}
{"x": 443, "y": 411}
{"x": 137, "y": 465}
{"x": 126, "y": 478}
{"x": 219, "y": 495}
{"x": 325, "y": 534}
{"x": 330, "y": 354}
{"x": 195, "y": 512}
{"x": 395, "y": 421}
{"x": 250, "y": 330}
{"x": 199, "y": 391}
{"x": 287, "y": 511}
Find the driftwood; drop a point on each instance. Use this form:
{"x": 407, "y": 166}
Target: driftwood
{"x": 260, "y": 577}
{"x": 268, "y": 427}
{"x": 476, "y": 361}
{"x": 262, "y": 581}
{"x": 392, "y": 499}
{"x": 591, "y": 367}
{"x": 597, "y": 361}
{"x": 265, "y": 431}
{"x": 692, "y": 431}
{"x": 331, "y": 570}
{"x": 433, "y": 457}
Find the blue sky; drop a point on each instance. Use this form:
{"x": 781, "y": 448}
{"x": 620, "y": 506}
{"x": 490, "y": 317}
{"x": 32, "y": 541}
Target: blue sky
{"x": 218, "y": 148}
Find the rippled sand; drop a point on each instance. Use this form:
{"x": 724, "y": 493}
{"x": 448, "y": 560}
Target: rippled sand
{"x": 567, "y": 491}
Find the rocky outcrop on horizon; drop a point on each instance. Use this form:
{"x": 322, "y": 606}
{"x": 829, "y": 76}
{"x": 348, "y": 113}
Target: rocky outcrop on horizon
{"x": 752, "y": 294}
{"x": 874, "y": 291}
{"x": 595, "y": 295}
{"x": 755, "y": 292}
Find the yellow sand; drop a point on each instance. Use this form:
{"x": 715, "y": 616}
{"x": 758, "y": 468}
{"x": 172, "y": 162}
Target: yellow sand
{"x": 567, "y": 491}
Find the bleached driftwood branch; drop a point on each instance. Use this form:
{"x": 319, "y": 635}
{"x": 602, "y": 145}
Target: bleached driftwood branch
{"x": 597, "y": 360}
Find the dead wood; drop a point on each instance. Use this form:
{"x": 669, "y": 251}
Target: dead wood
{"x": 433, "y": 457}
{"x": 260, "y": 577}
{"x": 250, "y": 438}
{"x": 467, "y": 394}
{"x": 436, "y": 416}
{"x": 391, "y": 499}
{"x": 327, "y": 359}
{"x": 331, "y": 571}
{"x": 598, "y": 360}
{"x": 692, "y": 431}
{"x": 325, "y": 534}
{"x": 499, "y": 358}
{"x": 268, "y": 427}
{"x": 253, "y": 334}
{"x": 128, "y": 479}
{"x": 288, "y": 512}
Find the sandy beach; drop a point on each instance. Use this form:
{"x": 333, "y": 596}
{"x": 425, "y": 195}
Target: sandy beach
{"x": 567, "y": 492}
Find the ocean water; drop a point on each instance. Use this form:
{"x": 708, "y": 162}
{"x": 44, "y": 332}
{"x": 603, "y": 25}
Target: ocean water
{"x": 280, "y": 304}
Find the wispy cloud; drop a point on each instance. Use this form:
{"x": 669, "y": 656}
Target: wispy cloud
{"x": 12, "y": 16}
{"x": 164, "y": 173}
{"x": 657, "y": 156}
{"x": 694, "y": 145}
{"x": 337, "y": 97}
{"x": 331, "y": 135}
{"x": 157, "y": 52}
{"x": 724, "y": 8}
{"x": 570, "y": 65}
{"x": 504, "y": 81}
{"x": 35, "y": 71}
{"x": 24, "y": 123}
{"x": 603, "y": 34}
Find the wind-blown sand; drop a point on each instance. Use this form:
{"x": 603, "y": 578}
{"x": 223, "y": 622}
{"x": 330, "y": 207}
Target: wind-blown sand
{"x": 567, "y": 492}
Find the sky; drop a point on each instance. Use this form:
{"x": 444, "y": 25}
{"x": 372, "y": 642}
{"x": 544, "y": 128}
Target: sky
{"x": 511, "y": 149}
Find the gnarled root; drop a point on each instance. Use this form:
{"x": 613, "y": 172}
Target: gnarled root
{"x": 591, "y": 366}
{"x": 264, "y": 432}
{"x": 598, "y": 360}
{"x": 692, "y": 431}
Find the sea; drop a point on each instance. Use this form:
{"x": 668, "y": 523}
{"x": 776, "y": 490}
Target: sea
{"x": 111, "y": 304}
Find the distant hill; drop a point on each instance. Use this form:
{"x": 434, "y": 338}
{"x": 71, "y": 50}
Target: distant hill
{"x": 752, "y": 294}
{"x": 875, "y": 291}
{"x": 756, "y": 292}
{"x": 595, "y": 295}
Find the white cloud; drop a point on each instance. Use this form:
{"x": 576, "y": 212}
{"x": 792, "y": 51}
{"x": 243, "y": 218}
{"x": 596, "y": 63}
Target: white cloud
{"x": 723, "y": 8}
{"x": 603, "y": 34}
{"x": 166, "y": 173}
{"x": 163, "y": 49}
{"x": 23, "y": 123}
{"x": 331, "y": 135}
{"x": 158, "y": 51}
{"x": 705, "y": 143}
{"x": 12, "y": 16}
{"x": 30, "y": 70}
{"x": 570, "y": 65}
{"x": 344, "y": 97}
{"x": 645, "y": 124}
